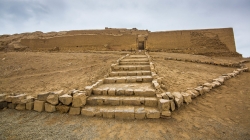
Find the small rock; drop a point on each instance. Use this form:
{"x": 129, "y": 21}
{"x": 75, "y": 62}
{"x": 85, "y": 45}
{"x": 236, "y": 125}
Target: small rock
{"x": 164, "y": 105}
{"x": 74, "y": 110}
{"x": 43, "y": 96}
{"x": 165, "y": 114}
{"x": 50, "y": 108}
{"x": 79, "y": 100}
{"x": 206, "y": 89}
{"x": 186, "y": 97}
{"x": 30, "y": 105}
{"x": 209, "y": 85}
{"x": 39, "y": 105}
{"x": 178, "y": 99}
{"x": 21, "y": 106}
{"x": 169, "y": 95}
{"x": 62, "y": 108}
{"x": 200, "y": 90}
{"x": 65, "y": 99}
{"x": 53, "y": 99}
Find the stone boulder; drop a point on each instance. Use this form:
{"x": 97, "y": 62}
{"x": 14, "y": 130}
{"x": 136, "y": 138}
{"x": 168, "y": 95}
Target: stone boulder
{"x": 163, "y": 105}
{"x": 50, "y": 108}
{"x": 65, "y": 99}
{"x": 79, "y": 100}
{"x": 21, "y": 106}
{"x": 43, "y": 96}
{"x": 200, "y": 90}
{"x": 53, "y": 99}
{"x": 178, "y": 99}
{"x": 62, "y": 108}
{"x": 17, "y": 99}
{"x": 39, "y": 105}
{"x": 186, "y": 97}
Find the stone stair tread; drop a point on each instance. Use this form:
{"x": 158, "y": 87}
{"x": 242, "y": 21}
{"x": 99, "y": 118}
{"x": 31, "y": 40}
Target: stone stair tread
{"x": 128, "y": 85}
{"x": 138, "y": 56}
{"x": 134, "y": 60}
{"x": 117, "y": 77}
{"x": 121, "y": 112}
{"x": 134, "y": 63}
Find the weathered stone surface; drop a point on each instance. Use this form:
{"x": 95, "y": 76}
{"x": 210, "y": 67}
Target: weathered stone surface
{"x": 152, "y": 114}
{"x": 164, "y": 95}
{"x": 149, "y": 92}
{"x": 220, "y": 79}
{"x": 108, "y": 112}
{"x": 120, "y": 91}
{"x": 200, "y": 90}
{"x": 156, "y": 85}
{"x": 217, "y": 83}
{"x": 65, "y": 99}
{"x": 129, "y": 92}
{"x": 114, "y": 101}
{"x": 89, "y": 112}
{"x": 172, "y": 105}
{"x": 97, "y": 91}
{"x": 53, "y": 99}
{"x": 3, "y": 104}
{"x": 163, "y": 105}
{"x": 74, "y": 110}
{"x": 39, "y": 105}
{"x": 206, "y": 89}
{"x": 193, "y": 93}
{"x": 62, "y": 108}
{"x": 169, "y": 94}
{"x": 178, "y": 99}
{"x": 165, "y": 114}
{"x": 152, "y": 102}
{"x": 50, "y": 108}
{"x": 17, "y": 99}
{"x": 135, "y": 101}
{"x": 8, "y": 98}
{"x": 159, "y": 96}
{"x": 95, "y": 100}
{"x": 131, "y": 80}
{"x": 43, "y": 96}
{"x": 139, "y": 92}
{"x": 2, "y": 97}
{"x": 28, "y": 99}
{"x": 186, "y": 97}
{"x": 88, "y": 90}
{"x": 12, "y": 106}
{"x": 111, "y": 92}
{"x": 29, "y": 106}
{"x": 105, "y": 91}
{"x": 140, "y": 113}
{"x": 209, "y": 85}
{"x": 21, "y": 106}
{"x": 79, "y": 99}
{"x": 122, "y": 112}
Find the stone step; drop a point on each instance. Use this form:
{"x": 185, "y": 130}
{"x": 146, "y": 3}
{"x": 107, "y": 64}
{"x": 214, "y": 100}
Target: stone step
{"x": 134, "y": 63}
{"x": 128, "y": 79}
{"x": 130, "y": 67}
{"x": 95, "y": 100}
{"x": 135, "y": 60}
{"x": 127, "y": 89}
{"x": 121, "y": 112}
{"x": 137, "y": 56}
{"x": 129, "y": 73}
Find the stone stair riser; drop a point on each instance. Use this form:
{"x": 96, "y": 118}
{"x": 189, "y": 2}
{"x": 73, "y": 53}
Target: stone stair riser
{"x": 130, "y": 68}
{"x": 128, "y": 80}
{"x": 148, "y": 73}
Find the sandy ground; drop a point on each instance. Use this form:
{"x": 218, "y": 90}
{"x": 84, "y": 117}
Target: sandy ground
{"x": 223, "y": 113}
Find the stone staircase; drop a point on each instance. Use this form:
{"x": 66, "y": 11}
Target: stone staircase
{"x": 127, "y": 93}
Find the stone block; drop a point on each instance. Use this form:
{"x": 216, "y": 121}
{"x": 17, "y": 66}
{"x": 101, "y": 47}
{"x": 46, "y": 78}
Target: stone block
{"x": 8, "y": 98}
{"x": 165, "y": 114}
{"x": 209, "y": 85}
{"x": 133, "y": 101}
{"x": 216, "y": 83}
{"x": 105, "y": 91}
{"x": 139, "y": 73}
{"x": 62, "y": 108}
{"x": 152, "y": 102}
{"x": 131, "y": 74}
{"x": 153, "y": 114}
{"x": 109, "y": 80}
{"x": 29, "y": 106}
{"x": 140, "y": 113}
{"x": 111, "y": 92}
{"x": 74, "y": 110}
{"x": 163, "y": 105}
{"x": 120, "y": 80}
{"x": 79, "y": 100}
{"x": 97, "y": 91}
{"x": 93, "y": 100}
{"x": 147, "y": 79}
{"x": 88, "y": 90}
{"x": 53, "y": 99}
{"x": 131, "y": 80}
{"x": 178, "y": 99}
{"x": 169, "y": 94}
{"x": 128, "y": 92}
{"x": 108, "y": 112}
{"x": 3, "y": 104}
{"x": 158, "y": 96}
{"x": 156, "y": 85}
{"x": 194, "y": 93}
{"x": 206, "y": 89}
{"x": 164, "y": 96}
{"x": 114, "y": 101}
{"x": 12, "y": 105}
{"x": 65, "y": 99}
{"x": 132, "y": 68}
{"x": 89, "y": 112}
{"x": 172, "y": 105}
{"x": 200, "y": 90}
{"x": 2, "y": 97}
{"x": 28, "y": 99}
{"x": 139, "y": 79}
{"x": 139, "y": 92}
{"x": 43, "y": 96}
{"x": 124, "y": 112}
{"x": 149, "y": 92}
{"x": 120, "y": 91}
{"x": 39, "y": 105}
{"x": 50, "y": 108}
{"x": 21, "y": 106}
{"x": 17, "y": 99}
{"x": 186, "y": 97}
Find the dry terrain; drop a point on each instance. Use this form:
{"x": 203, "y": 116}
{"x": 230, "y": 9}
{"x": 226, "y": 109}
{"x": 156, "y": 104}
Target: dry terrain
{"x": 223, "y": 113}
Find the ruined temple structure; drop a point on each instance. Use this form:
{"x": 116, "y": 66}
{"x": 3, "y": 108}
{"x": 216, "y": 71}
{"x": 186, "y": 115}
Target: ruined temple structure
{"x": 203, "y": 41}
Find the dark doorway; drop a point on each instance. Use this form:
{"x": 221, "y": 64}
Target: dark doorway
{"x": 141, "y": 45}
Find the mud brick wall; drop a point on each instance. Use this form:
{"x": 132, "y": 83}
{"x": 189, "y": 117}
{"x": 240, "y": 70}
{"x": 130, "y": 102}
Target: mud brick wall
{"x": 196, "y": 41}
{"x": 82, "y": 43}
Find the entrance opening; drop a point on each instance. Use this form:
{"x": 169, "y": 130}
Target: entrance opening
{"x": 141, "y": 45}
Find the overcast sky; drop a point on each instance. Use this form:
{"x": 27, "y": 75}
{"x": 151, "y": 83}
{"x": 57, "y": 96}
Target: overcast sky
{"x": 18, "y": 16}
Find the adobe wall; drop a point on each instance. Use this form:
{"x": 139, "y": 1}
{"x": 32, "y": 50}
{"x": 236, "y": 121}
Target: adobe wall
{"x": 82, "y": 43}
{"x": 197, "y": 41}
